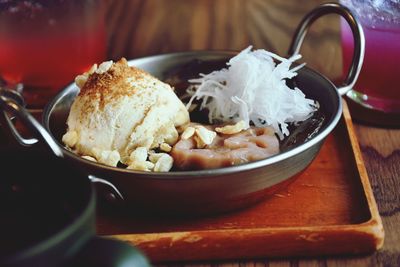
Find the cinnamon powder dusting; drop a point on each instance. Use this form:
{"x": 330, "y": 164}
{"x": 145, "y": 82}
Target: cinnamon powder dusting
{"x": 107, "y": 87}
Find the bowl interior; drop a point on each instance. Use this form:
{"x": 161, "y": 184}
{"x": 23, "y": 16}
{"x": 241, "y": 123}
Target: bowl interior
{"x": 186, "y": 65}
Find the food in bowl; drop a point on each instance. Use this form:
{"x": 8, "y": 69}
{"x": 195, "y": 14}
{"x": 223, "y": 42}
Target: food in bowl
{"x": 228, "y": 147}
{"x": 121, "y": 113}
{"x": 249, "y": 108}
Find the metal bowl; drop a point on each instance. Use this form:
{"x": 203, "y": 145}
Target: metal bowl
{"x": 223, "y": 189}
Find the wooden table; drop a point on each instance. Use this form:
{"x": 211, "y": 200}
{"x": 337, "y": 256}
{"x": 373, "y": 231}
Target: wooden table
{"x": 139, "y": 28}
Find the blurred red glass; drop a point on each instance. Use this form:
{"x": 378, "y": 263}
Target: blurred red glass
{"x": 377, "y": 85}
{"x": 44, "y": 44}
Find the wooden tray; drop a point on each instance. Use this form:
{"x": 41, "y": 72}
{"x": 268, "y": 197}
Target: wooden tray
{"x": 330, "y": 209}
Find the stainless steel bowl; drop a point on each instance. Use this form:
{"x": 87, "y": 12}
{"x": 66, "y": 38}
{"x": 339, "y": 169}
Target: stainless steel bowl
{"x": 215, "y": 190}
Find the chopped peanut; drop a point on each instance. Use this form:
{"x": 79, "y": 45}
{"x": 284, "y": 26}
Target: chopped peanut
{"x": 139, "y": 154}
{"x": 70, "y": 138}
{"x": 107, "y": 157}
{"x": 141, "y": 166}
{"x": 104, "y": 67}
{"x": 89, "y": 158}
{"x": 188, "y": 132}
{"x": 164, "y": 163}
{"x": 80, "y": 80}
{"x": 206, "y": 136}
{"x": 231, "y": 129}
{"x": 154, "y": 157}
{"x": 92, "y": 69}
{"x": 199, "y": 142}
{"x": 165, "y": 147}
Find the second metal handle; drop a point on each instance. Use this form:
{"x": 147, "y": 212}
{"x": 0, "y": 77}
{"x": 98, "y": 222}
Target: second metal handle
{"x": 358, "y": 35}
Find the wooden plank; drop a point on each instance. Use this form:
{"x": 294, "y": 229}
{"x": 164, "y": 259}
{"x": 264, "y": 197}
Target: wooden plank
{"x": 140, "y": 28}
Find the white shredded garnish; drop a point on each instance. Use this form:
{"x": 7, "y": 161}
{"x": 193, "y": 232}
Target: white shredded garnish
{"x": 253, "y": 89}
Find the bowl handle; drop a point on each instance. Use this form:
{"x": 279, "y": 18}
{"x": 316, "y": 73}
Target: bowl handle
{"x": 358, "y": 35}
{"x": 115, "y": 194}
{"x": 10, "y": 102}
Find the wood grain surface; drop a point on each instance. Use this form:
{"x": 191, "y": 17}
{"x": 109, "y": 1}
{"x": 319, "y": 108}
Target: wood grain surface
{"x": 329, "y": 209}
{"x": 138, "y": 28}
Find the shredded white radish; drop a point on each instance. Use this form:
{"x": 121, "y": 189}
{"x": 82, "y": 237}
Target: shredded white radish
{"x": 253, "y": 89}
